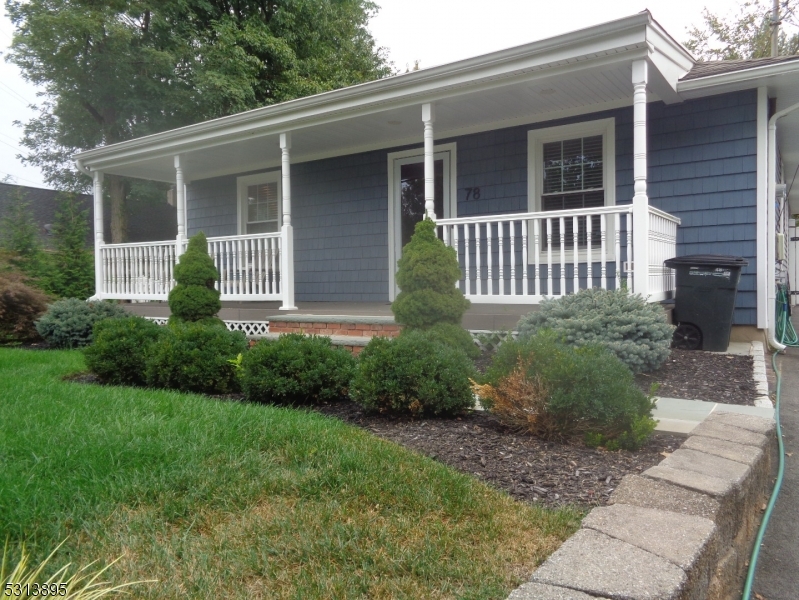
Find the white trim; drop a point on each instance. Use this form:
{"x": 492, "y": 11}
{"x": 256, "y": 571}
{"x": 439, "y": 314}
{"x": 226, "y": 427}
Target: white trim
{"x": 535, "y": 177}
{"x": 450, "y": 207}
{"x": 744, "y": 75}
{"x": 762, "y": 205}
{"x": 241, "y": 194}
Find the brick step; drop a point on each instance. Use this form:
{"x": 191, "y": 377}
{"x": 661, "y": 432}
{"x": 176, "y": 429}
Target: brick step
{"x": 335, "y": 326}
{"x": 353, "y": 343}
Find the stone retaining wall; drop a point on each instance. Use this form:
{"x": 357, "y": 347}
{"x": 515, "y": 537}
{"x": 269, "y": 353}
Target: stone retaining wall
{"x": 682, "y": 530}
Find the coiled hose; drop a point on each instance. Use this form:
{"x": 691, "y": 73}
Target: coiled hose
{"x": 787, "y": 336}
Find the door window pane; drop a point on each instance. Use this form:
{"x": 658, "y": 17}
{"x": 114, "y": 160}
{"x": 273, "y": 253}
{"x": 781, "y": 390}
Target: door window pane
{"x": 412, "y": 196}
{"x": 262, "y": 207}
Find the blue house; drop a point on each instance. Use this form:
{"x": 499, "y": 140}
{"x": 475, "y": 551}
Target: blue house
{"x": 582, "y": 160}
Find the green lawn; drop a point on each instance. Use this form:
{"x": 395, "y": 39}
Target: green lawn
{"x": 218, "y": 499}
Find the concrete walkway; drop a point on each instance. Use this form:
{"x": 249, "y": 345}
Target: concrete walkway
{"x": 777, "y": 576}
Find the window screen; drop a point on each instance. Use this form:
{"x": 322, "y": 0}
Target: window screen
{"x": 262, "y": 208}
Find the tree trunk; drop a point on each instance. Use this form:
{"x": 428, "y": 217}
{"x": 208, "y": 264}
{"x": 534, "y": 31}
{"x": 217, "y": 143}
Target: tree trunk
{"x": 119, "y": 209}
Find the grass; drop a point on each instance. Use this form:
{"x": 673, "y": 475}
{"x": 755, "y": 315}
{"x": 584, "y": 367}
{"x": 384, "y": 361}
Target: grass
{"x": 217, "y": 499}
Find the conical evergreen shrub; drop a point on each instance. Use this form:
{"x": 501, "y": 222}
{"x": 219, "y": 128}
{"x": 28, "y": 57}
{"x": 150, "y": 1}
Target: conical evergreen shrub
{"x": 426, "y": 276}
{"x": 194, "y": 297}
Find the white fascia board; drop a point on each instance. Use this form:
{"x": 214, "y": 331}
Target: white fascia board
{"x": 607, "y": 38}
{"x": 670, "y": 61}
{"x": 737, "y": 80}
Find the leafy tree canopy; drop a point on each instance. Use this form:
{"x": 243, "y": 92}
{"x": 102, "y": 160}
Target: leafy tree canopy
{"x": 119, "y": 69}
{"x": 745, "y": 35}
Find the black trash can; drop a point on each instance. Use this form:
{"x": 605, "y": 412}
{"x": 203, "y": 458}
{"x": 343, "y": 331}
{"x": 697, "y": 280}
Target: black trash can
{"x": 704, "y": 301}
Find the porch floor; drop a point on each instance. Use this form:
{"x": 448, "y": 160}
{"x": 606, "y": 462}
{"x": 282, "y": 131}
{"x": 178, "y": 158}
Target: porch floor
{"x": 492, "y": 317}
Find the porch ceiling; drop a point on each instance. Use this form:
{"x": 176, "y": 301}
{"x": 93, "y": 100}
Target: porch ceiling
{"x": 547, "y": 96}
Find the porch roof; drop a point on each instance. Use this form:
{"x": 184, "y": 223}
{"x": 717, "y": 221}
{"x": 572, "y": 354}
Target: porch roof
{"x": 578, "y": 72}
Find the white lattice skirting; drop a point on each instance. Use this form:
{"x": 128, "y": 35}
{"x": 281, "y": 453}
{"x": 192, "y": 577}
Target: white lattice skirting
{"x": 251, "y": 329}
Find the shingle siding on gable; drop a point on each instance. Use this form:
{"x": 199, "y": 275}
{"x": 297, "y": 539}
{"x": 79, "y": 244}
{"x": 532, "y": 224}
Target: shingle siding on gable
{"x": 702, "y": 168}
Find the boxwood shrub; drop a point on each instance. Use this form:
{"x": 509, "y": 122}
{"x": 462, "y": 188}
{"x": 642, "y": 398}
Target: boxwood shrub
{"x": 588, "y": 389}
{"x": 196, "y": 357}
{"x": 120, "y": 349}
{"x": 68, "y": 323}
{"x": 630, "y": 327}
{"x": 296, "y": 369}
{"x": 413, "y": 374}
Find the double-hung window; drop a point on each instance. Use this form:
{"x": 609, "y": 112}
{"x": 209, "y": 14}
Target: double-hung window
{"x": 572, "y": 167}
{"x": 259, "y": 203}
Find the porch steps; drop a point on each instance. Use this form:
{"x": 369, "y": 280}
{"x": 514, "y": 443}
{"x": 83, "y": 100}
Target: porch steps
{"x": 352, "y": 332}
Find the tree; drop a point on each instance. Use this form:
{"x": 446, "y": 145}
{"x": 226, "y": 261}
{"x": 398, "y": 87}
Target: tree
{"x": 120, "y": 69}
{"x": 746, "y": 35}
{"x": 71, "y": 265}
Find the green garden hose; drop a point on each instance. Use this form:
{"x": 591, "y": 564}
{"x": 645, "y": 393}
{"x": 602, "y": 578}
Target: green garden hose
{"x": 788, "y": 338}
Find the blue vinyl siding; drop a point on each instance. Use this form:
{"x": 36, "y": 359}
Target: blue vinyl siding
{"x": 702, "y": 168}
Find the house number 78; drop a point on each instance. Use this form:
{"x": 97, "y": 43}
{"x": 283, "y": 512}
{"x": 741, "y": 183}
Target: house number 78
{"x": 473, "y": 193}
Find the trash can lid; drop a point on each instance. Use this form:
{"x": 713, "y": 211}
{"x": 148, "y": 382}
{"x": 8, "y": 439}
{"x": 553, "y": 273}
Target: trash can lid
{"x": 714, "y": 260}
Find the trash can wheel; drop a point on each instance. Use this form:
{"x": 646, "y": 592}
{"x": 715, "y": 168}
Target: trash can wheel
{"x": 687, "y": 337}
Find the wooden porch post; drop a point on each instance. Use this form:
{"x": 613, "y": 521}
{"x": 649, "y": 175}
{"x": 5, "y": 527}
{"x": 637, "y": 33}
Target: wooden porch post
{"x": 428, "y": 116}
{"x": 640, "y": 218}
{"x": 181, "y": 206}
{"x": 286, "y": 231}
{"x": 99, "y": 234}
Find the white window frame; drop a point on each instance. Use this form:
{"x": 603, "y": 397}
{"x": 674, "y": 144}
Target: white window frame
{"x": 446, "y": 152}
{"x": 536, "y": 138}
{"x": 242, "y": 183}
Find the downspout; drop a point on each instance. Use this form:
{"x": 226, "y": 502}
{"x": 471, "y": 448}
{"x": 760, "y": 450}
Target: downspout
{"x": 771, "y": 223}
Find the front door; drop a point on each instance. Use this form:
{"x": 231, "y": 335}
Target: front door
{"x": 409, "y": 178}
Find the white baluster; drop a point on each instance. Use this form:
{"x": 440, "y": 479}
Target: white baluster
{"x": 466, "y": 260}
{"x": 457, "y": 250}
{"x": 489, "y": 261}
{"x": 478, "y": 261}
{"x": 617, "y": 247}
{"x": 525, "y": 261}
{"x": 562, "y": 223}
{"x": 500, "y": 236}
{"x": 536, "y": 255}
{"x": 576, "y": 254}
{"x": 589, "y": 252}
{"x": 512, "y": 258}
{"x": 630, "y": 252}
{"x": 603, "y": 253}
{"x": 549, "y": 258}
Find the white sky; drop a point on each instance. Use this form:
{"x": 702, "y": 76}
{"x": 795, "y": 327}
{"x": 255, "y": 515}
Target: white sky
{"x": 431, "y": 31}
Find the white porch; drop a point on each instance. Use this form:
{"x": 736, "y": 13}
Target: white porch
{"x": 516, "y": 258}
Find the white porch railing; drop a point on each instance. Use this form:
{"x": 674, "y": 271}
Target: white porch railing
{"x": 524, "y": 257}
{"x": 249, "y": 268}
{"x": 662, "y": 246}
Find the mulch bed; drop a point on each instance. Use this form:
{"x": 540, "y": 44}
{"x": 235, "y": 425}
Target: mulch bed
{"x": 710, "y": 376}
{"x": 550, "y": 473}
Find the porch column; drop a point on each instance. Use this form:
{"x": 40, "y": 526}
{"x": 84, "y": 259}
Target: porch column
{"x": 181, "y": 206}
{"x": 640, "y": 219}
{"x": 286, "y": 231}
{"x": 99, "y": 235}
{"x": 428, "y": 116}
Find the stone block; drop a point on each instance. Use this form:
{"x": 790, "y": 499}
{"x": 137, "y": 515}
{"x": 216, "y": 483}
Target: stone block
{"x": 748, "y": 455}
{"x": 652, "y": 493}
{"x": 600, "y": 565}
{"x": 678, "y": 538}
{"x": 705, "y": 484}
{"x": 687, "y": 541}
{"x": 540, "y": 591}
{"x": 748, "y": 422}
{"x": 708, "y": 464}
{"x": 729, "y": 433}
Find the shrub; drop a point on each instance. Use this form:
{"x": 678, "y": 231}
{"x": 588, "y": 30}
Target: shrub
{"x": 119, "y": 352}
{"x": 451, "y": 335}
{"x": 70, "y": 273}
{"x": 194, "y": 297}
{"x": 195, "y": 357}
{"x": 412, "y": 374}
{"x": 20, "y": 306}
{"x": 296, "y": 369}
{"x": 587, "y": 389}
{"x": 68, "y": 323}
{"x": 634, "y": 330}
{"x": 427, "y": 273}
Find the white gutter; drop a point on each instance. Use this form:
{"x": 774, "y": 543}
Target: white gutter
{"x": 771, "y": 223}
{"x": 743, "y": 75}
